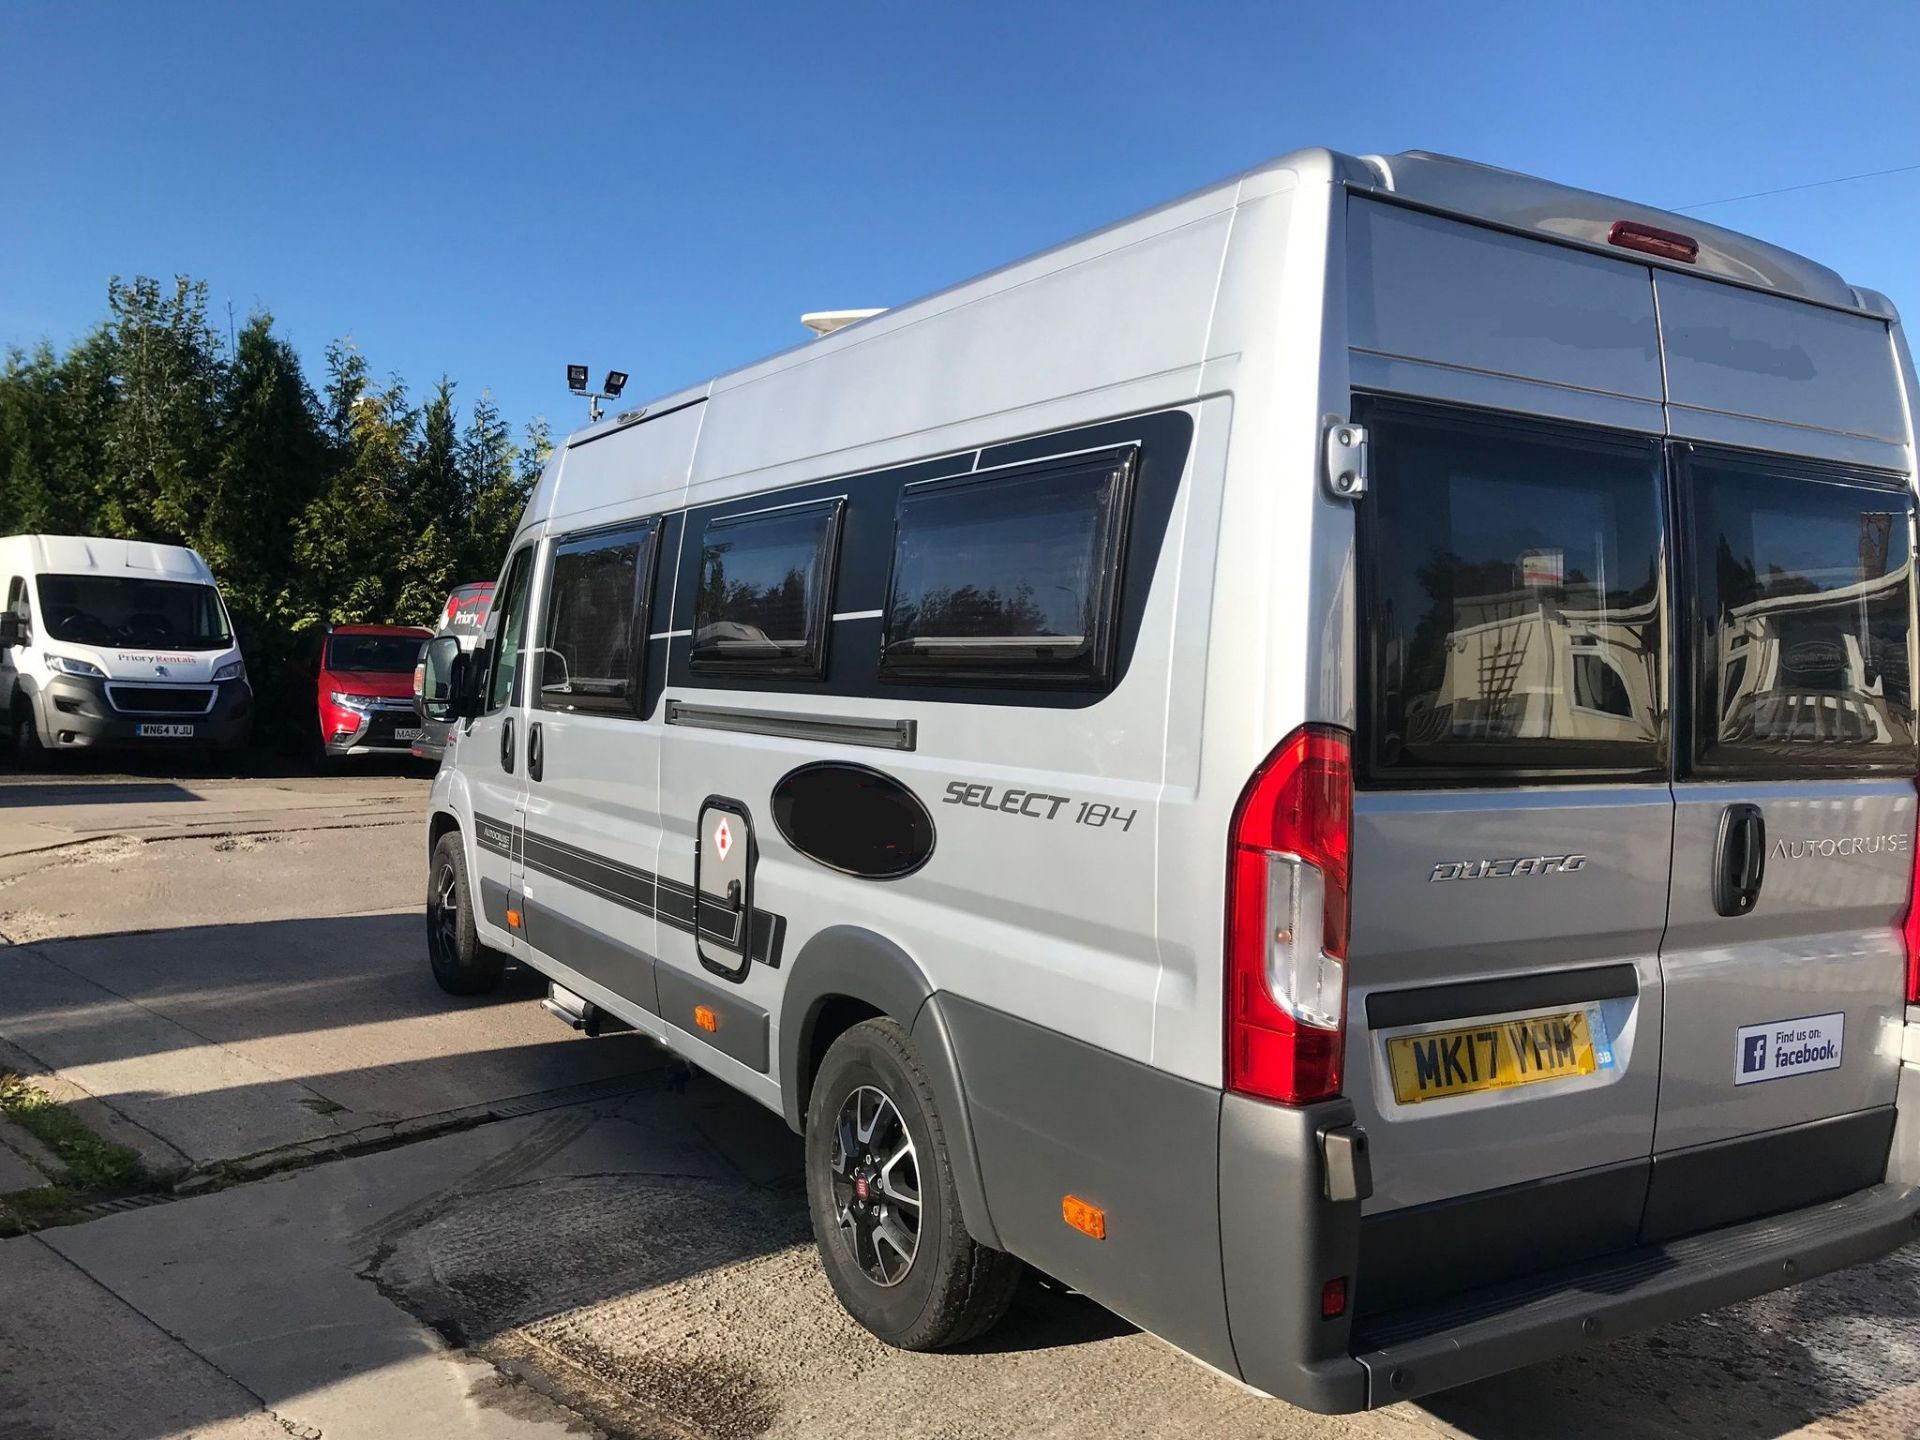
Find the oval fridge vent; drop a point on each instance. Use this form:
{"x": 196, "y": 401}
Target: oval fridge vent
{"x": 853, "y": 819}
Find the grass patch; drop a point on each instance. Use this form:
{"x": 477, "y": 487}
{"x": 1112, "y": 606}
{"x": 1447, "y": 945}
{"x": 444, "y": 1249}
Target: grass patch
{"x": 27, "y": 1210}
{"x": 92, "y": 1163}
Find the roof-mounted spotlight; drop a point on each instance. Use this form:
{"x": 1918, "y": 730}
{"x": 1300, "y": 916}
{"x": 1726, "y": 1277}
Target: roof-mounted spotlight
{"x": 616, "y": 381}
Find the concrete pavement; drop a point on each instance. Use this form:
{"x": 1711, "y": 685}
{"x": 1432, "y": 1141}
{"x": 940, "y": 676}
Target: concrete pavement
{"x": 637, "y": 1263}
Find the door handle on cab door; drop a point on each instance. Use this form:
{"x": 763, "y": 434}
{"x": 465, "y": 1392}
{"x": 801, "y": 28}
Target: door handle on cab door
{"x": 1740, "y": 860}
{"x": 536, "y": 752}
{"x": 506, "y": 744}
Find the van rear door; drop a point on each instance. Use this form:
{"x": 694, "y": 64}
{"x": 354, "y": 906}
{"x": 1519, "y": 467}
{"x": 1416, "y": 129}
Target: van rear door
{"x": 1511, "y": 837}
{"x": 1793, "y": 841}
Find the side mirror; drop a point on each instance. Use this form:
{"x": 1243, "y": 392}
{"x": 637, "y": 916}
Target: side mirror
{"x": 13, "y": 630}
{"x": 445, "y": 691}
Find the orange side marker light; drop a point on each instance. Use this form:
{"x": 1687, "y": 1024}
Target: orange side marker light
{"x": 1087, "y": 1219}
{"x": 705, "y": 1018}
{"x": 513, "y": 919}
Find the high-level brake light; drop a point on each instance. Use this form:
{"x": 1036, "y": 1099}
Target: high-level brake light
{"x": 1287, "y": 916}
{"x": 1652, "y": 240}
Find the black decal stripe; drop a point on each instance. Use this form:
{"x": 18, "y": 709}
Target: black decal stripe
{"x": 641, "y": 891}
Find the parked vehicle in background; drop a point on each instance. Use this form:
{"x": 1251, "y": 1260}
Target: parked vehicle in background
{"x": 116, "y": 643}
{"x": 1331, "y": 764}
{"x": 465, "y": 616}
{"x": 365, "y": 689}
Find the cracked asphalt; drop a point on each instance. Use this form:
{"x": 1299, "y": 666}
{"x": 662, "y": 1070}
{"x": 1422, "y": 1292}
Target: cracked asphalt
{"x": 494, "y": 1227}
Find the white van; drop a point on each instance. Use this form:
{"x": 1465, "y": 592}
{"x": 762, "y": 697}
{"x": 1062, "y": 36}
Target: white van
{"x": 116, "y": 643}
{"x": 1331, "y": 765}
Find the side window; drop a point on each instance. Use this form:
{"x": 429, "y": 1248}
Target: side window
{"x": 1802, "y": 650}
{"x": 510, "y": 630}
{"x": 596, "y": 620}
{"x": 766, "y": 582}
{"x": 1512, "y": 601}
{"x": 1009, "y": 578}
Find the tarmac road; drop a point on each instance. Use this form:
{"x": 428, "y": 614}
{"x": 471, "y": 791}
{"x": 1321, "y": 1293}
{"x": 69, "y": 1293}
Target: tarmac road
{"x": 567, "y": 1243}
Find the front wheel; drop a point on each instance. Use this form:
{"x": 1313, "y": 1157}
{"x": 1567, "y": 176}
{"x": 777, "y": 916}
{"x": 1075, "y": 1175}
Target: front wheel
{"x": 885, "y": 1212}
{"x": 461, "y": 964}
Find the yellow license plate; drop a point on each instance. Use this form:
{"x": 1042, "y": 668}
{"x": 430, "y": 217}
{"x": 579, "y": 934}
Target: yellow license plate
{"x": 1495, "y": 1056}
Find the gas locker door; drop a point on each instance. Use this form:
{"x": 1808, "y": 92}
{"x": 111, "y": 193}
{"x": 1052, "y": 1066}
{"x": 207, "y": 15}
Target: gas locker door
{"x": 1511, "y": 833}
{"x": 1793, "y": 842}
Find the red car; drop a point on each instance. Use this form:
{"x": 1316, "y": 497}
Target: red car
{"x": 366, "y": 689}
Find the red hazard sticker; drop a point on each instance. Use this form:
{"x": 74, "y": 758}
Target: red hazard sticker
{"x": 723, "y": 837}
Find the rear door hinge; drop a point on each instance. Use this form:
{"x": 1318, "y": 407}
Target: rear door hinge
{"x": 1346, "y": 459}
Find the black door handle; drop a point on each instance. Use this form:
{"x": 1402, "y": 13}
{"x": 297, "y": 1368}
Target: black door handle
{"x": 1740, "y": 860}
{"x": 506, "y": 744}
{"x": 535, "y": 753}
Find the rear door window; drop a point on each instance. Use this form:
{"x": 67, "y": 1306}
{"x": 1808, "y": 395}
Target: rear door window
{"x": 1514, "y": 594}
{"x": 1802, "y": 579}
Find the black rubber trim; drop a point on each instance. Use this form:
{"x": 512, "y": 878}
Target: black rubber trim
{"x": 619, "y": 426}
{"x": 641, "y": 891}
{"x": 1390, "y": 1009}
{"x": 1488, "y": 1332}
{"x": 1424, "y": 1251}
{"x": 1734, "y": 1180}
{"x": 494, "y": 902}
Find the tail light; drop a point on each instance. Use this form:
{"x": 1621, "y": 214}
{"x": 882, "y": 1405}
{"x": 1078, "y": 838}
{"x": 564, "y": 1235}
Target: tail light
{"x": 1910, "y": 929}
{"x": 1287, "y": 912}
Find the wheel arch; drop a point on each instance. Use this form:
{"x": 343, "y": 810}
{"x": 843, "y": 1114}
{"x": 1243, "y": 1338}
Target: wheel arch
{"x": 846, "y": 974}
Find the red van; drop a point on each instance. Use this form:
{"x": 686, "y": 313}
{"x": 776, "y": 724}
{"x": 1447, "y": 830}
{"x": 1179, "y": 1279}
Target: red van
{"x": 365, "y": 691}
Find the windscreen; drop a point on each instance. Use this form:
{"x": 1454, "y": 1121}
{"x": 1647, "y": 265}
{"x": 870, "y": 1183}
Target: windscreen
{"x": 121, "y": 611}
{"x": 382, "y": 654}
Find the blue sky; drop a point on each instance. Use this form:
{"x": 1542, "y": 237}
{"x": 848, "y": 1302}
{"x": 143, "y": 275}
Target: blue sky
{"x": 489, "y": 191}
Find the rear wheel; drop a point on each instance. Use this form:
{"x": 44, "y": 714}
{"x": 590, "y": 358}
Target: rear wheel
{"x": 885, "y": 1212}
{"x": 461, "y": 964}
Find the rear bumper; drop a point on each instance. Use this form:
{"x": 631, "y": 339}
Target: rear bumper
{"x": 1282, "y": 1239}
{"x": 71, "y": 713}
{"x": 1474, "y": 1335}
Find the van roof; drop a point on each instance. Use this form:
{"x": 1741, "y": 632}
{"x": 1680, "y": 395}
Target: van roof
{"x": 1463, "y": 188}
{"x": 100, "y": 555}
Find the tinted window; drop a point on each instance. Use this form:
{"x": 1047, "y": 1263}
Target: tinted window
{"x": 510, "y": 629}
{"x": 1008, "y": 578}
{"x": 1804, "y": 588}
{"x": 115, "y": 610}
{"x": 853, "y": 819}
{"x": 1513, "y": 600}
{"x": 596, "y": 621}
{"x": 765, "y": 583}
{"x": 383, "y": 654}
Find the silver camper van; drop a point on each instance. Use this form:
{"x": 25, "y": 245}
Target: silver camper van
{"x": 1331, "y": 765}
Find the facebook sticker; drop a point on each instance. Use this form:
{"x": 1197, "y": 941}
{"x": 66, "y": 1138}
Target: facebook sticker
{"x": 1781, "y": 1048}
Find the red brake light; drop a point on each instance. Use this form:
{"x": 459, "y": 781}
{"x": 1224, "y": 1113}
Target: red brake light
{"x": 1287, "y": 919}
{"x": 1652, "y": 240}
{"x": 1910, "y": 930}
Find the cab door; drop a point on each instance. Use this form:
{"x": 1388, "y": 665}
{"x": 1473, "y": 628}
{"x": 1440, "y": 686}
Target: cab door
{"x": 490, "y": 751}
{"x": 1793, "y": 842}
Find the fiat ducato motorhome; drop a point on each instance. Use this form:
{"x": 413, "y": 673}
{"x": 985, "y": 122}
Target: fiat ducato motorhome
{"x": 116, "y": 643}
{"x": 1331, "y": 765}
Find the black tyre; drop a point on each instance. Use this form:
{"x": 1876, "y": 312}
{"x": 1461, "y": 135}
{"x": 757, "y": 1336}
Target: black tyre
{"x": 27, "y": 747}
{"x": 461, "y": 964}
{"x": 885, "y": 1214}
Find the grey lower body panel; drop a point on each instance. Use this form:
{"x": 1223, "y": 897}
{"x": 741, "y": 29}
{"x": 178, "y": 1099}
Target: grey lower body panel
{"x": 627, "y": 972}
{"x": 1053, "y": 1117}
{"x": 740, "y": 1028}
{"x": 1486, "y": 1332}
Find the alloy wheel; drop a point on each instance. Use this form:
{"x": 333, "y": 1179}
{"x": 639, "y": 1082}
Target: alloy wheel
{"x": 876, "y": 1185}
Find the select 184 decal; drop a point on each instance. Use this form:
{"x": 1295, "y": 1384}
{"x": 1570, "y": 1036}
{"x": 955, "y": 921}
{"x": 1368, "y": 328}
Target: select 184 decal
{"x": 1038, "y": 805}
